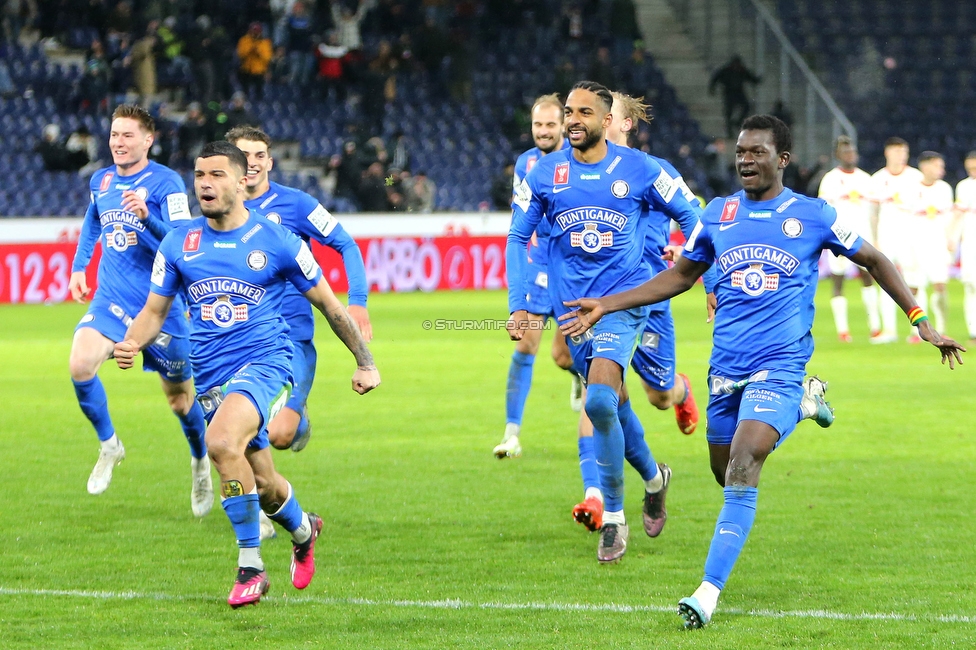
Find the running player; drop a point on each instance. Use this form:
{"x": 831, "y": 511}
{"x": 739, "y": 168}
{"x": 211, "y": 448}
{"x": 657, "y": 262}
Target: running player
{"x": 762, "y": 341}
{"x": 888, "y": 187}
{"x": 134, "y": 203}
{"x": 966, "y": 207}
{"x": 846, "y": 189}
{"x": 547, "y": 133}
{"x": 593, "y": 198}
{"x": 929, "y": 216}
{"x": 306, "y": 217}
{"x": 233, "y": 266}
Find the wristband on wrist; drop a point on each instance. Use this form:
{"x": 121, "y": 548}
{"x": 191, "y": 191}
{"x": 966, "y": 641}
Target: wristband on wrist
{"x": 917, "y": 315}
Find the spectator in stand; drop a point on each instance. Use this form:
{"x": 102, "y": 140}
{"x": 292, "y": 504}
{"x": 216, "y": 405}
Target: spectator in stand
{"x": 194, "y": 132}
{"x": 601, "y": 70}
{"x": 421, "y": 193}
{"x": 175, "y": 63}
{"x": 120, "y": 23}
{"x": 254, "y": 52}
{"x": 459, "y": 69}
{"x": 733, "y": 77}
{"x": 237, "y": 114}
{"x": 142, "y": 60}
{"x": 372, "y": 190}
{"x": 298, "y": 44}
{"x": 330, "y": 73}
{"x": 385, "y": 66}
{"x": 205, "y": 61}
{"x": 348, "y": 23}
{"x": 349, "y": 170}
{"x": 396, "y": 182}
{"x": 501, "y": 188}
{"x": 623, "y": 28}
{"x": 17, "y": 14}
{"x": 164, "y": 137}
{"x": 718, "y": 168}
{"x": 637, "y": 73}
{"x": 375, "y": 151}
{"x": 401, "y": 152}
{"x": 572, "y": 27}
{"x": 83, "y": 148}
{"x": 95, "y": 81}
{"x": 52, "y": 150}
{"x": 431, "y": 46}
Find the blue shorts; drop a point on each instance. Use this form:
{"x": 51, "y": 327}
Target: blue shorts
{"x": 613, "y": 337}
{"x": 266, "y": 385}
{"x": 537, "y": 290}
{"x": 654, "y": 357}
{"x": 168, "y": 355}
{"x": 774, "y": 401}
{"x": 303, "y": 370}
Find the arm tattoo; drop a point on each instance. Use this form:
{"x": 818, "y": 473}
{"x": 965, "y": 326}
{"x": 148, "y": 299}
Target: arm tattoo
{"x": 348, "y": 332}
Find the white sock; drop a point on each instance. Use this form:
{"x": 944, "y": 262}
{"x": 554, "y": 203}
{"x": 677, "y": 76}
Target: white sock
{"x": 614, "y": 517}
{"x": 512, "y": 430}
{"x": 112, "y": 444}
{"x": 969, "y": 306}
{"x": 707, "y": 596}
{"x": 870, "y": 297}
{"x": 939, "y": 309}
{"x": 655, "y": 484}
{"x": 593, "y": 492}
{"x": 889, "y": 315}
{"x": 250, "y": 557}
{"x": 302, "y": 534}
{"x": 838, "y": 305}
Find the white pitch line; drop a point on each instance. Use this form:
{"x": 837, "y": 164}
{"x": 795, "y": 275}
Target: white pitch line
{"x": 816, "y": 614}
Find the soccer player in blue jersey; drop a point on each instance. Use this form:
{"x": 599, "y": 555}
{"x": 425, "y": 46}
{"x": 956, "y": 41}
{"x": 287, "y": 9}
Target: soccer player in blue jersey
{"x": 593, "y": 198}
{"x": 303, "y": 215}
{"x": 547, "y": 133}
{"x": 233, "y": 266}
{"x": 766, "y": 242}
{"x": 134, "y": 203}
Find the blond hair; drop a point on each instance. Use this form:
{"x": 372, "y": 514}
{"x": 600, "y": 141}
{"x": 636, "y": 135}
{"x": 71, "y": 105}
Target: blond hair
{"x": 551, "y": 99}
{"x": 633, "y": 108}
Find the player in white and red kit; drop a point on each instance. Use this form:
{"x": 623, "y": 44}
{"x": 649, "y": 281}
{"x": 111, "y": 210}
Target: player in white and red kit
{"x": 966, "y": 210}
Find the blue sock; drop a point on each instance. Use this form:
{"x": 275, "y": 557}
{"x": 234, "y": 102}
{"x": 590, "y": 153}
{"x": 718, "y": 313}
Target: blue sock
{"x": 94, "y": 404}
{"x": 608, "y": 442}
{"x": 289, "y": 515}
{"x": 636, "y": 451}
{"x": 302, "y": 425}
{"x": 519, "y": 382}
{"x": 731, "y": 531}
{"x": 243, "y": 514}
{"x": 195, "y": 429}
{"x": 588, "y": 467}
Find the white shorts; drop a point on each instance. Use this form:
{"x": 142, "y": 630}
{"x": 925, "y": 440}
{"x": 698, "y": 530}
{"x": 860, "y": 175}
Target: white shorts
{"x": 967, "y": 251}
{"x": 893, "y": 240}
{"x": 838, "y": 264}
{"x": 927, "y": 258}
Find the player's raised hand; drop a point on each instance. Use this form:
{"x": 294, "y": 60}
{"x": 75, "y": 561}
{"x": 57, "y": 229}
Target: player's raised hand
{"x": 950, "y": 349}
{"x": 517, "y": 323}
{"x": 132, "y": 202}
{"x": 365, "y": 379}
{"x": 125, "y": 353}
{"x": 361, "y": 316}
{"x": 671, "y": 253}
{"x": 78, "y": 285}
{"x": 588, "y": 311}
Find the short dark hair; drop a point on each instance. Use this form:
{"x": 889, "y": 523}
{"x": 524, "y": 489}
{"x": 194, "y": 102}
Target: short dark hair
{"x": 597, "y": 89}
{"x": 249, "y": 133}
{"x": 224, "y": 148}
{"x": 929, "y": 155}
{"x": 895, "y": 142}
{"x": 970, "y": 155}
{"x": 782, "y": 138}
{"x": 137, "y": 113}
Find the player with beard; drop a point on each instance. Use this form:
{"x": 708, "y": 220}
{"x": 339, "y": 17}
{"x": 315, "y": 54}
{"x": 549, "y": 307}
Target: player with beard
{"x": 768, "y": 271}
{"x": 232, "y": 265}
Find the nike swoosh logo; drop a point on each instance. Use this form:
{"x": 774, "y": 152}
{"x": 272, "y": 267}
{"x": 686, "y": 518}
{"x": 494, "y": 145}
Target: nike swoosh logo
{"x": 603, "y": 349}
{"x": 557, "y": 190}
{"x": 187, "y": 258}
{"x": 726, "y": 226}
{"x": 238, "y": 381}
{"x": 722, "y": 531}
{"x": 757, "y": 409}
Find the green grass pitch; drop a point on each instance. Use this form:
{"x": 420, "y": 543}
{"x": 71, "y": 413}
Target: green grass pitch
{"x": 864, "y": 535}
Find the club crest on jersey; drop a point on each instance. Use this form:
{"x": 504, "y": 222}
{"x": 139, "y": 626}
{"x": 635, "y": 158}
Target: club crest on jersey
{"x": 191, "y": 242}
{"x": 223, "y": 313}
{"x": 120, "y": 239}
{"x": 560, "y": 176}
{"x": 590, "y": 239}
{"x": 619, "y": 188}
{"x": 106, "y": 182}
{"x": 792, "y": 228}
{"x": 257, "y": 260}
{"x": 730, "y": 209}
{"x": 754, "y": 281}
{"x": 530, "y": 163}
{"x": 273, "y": 216}
{"x": 142, "y": 193}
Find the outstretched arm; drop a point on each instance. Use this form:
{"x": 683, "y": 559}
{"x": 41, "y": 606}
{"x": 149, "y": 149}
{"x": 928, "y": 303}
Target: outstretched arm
{"x": 888, "y": 278}
{"x": 143, "y": 330}
{"x": 366, "y": 377}
{"x": 667, "y": 284}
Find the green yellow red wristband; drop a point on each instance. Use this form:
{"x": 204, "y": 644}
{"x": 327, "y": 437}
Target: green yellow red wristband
{"x": 917, "y": 315}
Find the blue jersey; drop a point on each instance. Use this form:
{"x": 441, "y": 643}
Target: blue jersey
{"x": 765, "y": 254}
{"x": 595, "y": 215}
{"x": 128, "y": 243}
{"x": 658, "y": 233}
{"x": 234, "y": 283}
{"x": 304, "y": 215}
{"x": 539, "y": 244}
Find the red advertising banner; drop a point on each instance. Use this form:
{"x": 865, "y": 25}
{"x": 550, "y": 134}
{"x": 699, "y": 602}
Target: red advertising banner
{"x": 39, "y": 273}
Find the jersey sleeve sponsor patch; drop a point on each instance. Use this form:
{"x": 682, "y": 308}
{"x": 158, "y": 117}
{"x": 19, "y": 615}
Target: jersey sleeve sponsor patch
{"x": 690, "y": 244}
{"x": 178, "y": 206}
{"x": 306, "y": 262}
{"x": 158, "y": 270}
{"x": 523, "y": 195}
{"x": 686, "y": 192}
{"x": 844, "y": 232}
{"x": 323, "y": 220}
{"x": 666, "y": 186}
